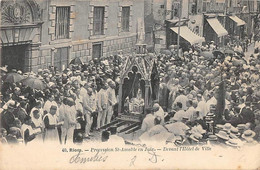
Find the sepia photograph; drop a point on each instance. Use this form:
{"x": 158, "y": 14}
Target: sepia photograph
{"x": 130, "y": 84}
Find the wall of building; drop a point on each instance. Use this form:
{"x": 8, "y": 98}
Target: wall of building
{"x": 81, "y": 39}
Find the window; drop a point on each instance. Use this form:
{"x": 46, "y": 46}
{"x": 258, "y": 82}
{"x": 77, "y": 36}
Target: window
{"x": 125, "y": 18}
{"x": 61, "y": 58}
{"x": 97, "y": 50}
{"x": 98, "y": 20}
{"x": 62, "y": 22}
{"x": 162, "y": 6}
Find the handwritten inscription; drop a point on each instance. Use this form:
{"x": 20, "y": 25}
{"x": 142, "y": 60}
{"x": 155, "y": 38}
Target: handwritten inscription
{"x": 80, "y": 159}
{"x": 100, "y": 154}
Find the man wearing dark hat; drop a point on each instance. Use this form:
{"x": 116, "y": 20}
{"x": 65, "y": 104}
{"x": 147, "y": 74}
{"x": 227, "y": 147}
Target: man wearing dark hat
{"x": 247, "y": 115}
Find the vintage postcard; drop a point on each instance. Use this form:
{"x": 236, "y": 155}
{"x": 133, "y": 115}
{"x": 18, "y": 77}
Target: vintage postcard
{"x": 130, "y": 84}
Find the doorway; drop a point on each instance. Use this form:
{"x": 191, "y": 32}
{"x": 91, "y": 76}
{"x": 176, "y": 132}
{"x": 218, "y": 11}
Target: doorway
{"x": 61, "y": 58}
{"x": 14, "y": 57}
{"x": 97, "y": 50}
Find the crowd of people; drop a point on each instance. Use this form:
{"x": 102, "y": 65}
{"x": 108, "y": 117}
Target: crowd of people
{"x": 207, "y": 100}
{"x": 193, "y": 88}
{"x": 62, "y": 108}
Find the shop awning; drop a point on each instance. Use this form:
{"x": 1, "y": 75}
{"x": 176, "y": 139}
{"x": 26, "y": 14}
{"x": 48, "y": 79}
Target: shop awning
{"x": 188, "y": 35}
{"x": 237, "y": 20}
{"x": 217, "y": 27}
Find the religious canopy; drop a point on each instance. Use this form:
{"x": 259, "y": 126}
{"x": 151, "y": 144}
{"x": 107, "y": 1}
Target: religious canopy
{"x": 139, "y": 73}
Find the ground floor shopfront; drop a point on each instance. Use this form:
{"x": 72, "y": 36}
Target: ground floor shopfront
{"x": 213, "y": 29}
{"x": 187, "y": 36}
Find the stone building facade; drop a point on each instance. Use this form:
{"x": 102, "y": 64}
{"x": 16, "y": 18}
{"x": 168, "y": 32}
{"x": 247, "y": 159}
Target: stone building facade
{"x": 41, "y": 33}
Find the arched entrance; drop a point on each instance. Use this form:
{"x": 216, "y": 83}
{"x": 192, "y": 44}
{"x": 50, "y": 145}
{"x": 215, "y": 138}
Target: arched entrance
{"x": 20, "y": 33}
{"x": 14, "y": 56}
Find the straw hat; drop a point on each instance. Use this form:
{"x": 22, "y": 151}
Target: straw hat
{"x": 234, "y": 142}
{"x": 248, "y": 134}
{"x": 212, "y": 138}
{"x": 196, "y": 137}
{"x": 227, "y": 127}
{"x": 223, "y": 135}
{"x": 234, "y": 133}
{"x": 241, "y": 126}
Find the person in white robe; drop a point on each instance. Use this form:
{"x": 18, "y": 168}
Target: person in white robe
{"x": 102, "y": 105}
{"x": 182, "y": 99}
{"x": 157, "y": 133}
{"x": 90, "y": 106}
{"x": 111, "y": 99}
{"x": 70, "y": 119}
{"x": 202, "y": 106}
{"x": 180, "y": 114}
{"x": 190, "y": 112}
{"x": 159, "y": 112}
